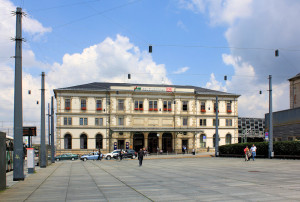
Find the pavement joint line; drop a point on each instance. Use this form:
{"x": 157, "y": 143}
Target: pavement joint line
{"x": 42, "y": 183}
{"x": 95, "y": 183}
{"x": 69, "y": 182}
{"x": 123, "y": 182}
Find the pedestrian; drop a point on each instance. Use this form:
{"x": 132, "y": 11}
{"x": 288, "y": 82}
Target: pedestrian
{"x": 246, "y": 150}
{"x": 120, "y": 155}
{"x": 193, "y": 152}
{"x": 99, "y": 155}
{"x": 253, "y": 150}
{"x": 183, "y": 150}
{"x": 141, "y": 156}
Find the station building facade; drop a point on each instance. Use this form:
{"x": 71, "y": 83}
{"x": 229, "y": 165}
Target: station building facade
{"x": 132, "y": 116}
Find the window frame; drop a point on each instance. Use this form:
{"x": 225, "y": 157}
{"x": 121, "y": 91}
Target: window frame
{"x": 99, "y": 104}
{"x": 153, "y": 105}
{"x": 83, "y": 104}
{"x": 202, "y": 107}
{"x": 121, "y": 105}
{"x": 167, "y": 105}
{"x": 121, "y": 121}
{"x": 67, "y": 103}
{"x": 202, "y": 122}
{"x": 138, "y": 105}
{"x": 185, "y": 107}
{"x": 185, "y": 121}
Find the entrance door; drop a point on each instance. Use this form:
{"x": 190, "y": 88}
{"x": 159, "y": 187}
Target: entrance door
{"x": 138, "y": 141}
{"x": 152, "y": 142}
{"x": 121, "y": 144}
{"x": 184, "y": 143}
{"x": 167, "y": 142}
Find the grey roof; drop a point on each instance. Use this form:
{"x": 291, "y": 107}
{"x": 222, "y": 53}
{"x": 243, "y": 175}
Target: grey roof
{"x": 295, "y": 77}
{"x": 103, "y": 86}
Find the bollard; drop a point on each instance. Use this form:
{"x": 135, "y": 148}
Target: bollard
{"x": 3, "y": 161}
{"x": 30, "y": 160}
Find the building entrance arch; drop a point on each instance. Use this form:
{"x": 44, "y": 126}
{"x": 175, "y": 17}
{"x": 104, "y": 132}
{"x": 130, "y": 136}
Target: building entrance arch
{"x": 152, "y": 142}
{"x": 138, "y": 141}
{"x": 167, "y": 142}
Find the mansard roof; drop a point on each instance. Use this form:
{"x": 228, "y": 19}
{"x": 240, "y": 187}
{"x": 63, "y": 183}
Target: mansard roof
{"x": 106, "y": 86}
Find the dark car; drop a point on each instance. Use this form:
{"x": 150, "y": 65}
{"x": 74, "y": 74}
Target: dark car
{"x": 128, "y": 153}
{"x": 66, "y": 157}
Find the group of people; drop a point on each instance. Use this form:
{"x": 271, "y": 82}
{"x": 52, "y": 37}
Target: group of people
{"x": 250, "y": 152}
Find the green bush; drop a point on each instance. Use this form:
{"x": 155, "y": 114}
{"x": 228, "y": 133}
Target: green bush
{"x": 291, "y": 148}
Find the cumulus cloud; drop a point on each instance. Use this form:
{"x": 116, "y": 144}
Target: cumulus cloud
{"x": 181, "y": 70}
{"x": 181, "y": 25}
{"x": 108, "y": 61}
{"x": 255, "y": 29}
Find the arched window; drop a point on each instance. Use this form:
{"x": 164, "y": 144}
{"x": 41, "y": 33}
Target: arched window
{"x": 228, "y": 139}
{"x": 203, "y": 140}
{"x": 99, "y": 141}
{"x": 83, "y": 141}
{"x": 68, "y": 141}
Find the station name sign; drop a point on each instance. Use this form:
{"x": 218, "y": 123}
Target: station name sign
{"x": 158, "y": 89}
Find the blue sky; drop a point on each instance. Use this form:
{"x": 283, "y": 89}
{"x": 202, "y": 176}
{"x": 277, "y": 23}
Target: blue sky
{"x": 195, "y": 42}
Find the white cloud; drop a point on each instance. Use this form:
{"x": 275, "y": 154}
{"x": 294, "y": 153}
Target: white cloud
{"x": 213, "y": 84}
{"x": 193, "y": 5}
{"x": 181, "y": 70}
{"x": 108, "y": 61}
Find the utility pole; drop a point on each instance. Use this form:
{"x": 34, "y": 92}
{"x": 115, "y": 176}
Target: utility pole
{"x": 270, "y": 152}
{"x": 52, "y": 131}
{"x": 49, "y": 134}
{"x": 43, "y": 146}
{"x": 18, "y": 103}
{"x": 217, "y": 128}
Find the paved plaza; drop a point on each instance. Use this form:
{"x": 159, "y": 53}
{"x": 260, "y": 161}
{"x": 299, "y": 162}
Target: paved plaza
{"x": 170, "y": 179}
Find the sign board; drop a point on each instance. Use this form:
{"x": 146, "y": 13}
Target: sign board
{"x": 127, "y": 145}
{"x": 29, "y": 131}
{"x": 158, "y": 89}
{"x": 115, "y": 146}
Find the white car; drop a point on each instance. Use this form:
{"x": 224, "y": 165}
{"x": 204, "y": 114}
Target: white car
{"x": 112, "y": 154}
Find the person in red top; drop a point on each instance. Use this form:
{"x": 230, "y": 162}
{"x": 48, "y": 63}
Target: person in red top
{"x": 246, "y": 150}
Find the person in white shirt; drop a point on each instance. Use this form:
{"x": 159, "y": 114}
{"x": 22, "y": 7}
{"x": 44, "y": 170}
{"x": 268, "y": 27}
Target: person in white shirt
{"x": 253, "y": 150}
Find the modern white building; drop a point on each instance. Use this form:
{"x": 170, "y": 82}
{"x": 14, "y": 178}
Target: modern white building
{"x": 132, "y": 116}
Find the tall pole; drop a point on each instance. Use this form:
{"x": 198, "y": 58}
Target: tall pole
{"x": 18, "y": 107}
{"x": 217, "y": 128}
{"x": 48, "y": 115}
{"x": 52, "y": 131}
{"x": 43, "y": 146}
{"x": 270, "y": 153}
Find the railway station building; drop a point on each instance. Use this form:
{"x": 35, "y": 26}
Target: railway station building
{"x": 132, "y": 116}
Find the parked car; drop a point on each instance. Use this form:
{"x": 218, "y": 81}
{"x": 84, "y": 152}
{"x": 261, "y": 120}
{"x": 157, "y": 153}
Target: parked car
{"x": 112, "y": 154}
{"x": 66, "y": 157}
{"x": 129, "y": 153}
{"x": 90, "y": 156}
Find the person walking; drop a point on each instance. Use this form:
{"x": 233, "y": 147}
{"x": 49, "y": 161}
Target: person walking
{"x": 253, "y": 150}
{"x": 141, "y": 156}
{"x": 100, "y": 155}
{"x": 246, "y": 150}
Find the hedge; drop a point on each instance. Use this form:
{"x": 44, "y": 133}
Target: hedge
{"x": 282, "y": 148}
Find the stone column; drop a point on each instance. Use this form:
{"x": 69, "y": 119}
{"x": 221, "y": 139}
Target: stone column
{"x": 146, "y": 140}
{"x": 160, "y": 141}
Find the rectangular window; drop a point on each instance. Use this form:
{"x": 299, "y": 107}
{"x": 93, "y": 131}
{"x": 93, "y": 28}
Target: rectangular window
{"x": 98, "y": 105}
{"x": 65, "y": 121}
{"x": 153, "y": 105}
{"x": 202, "y": 122}
{"x": 228, "y": 122}
{"x": 203, "y": 107}
{"x": 184, "y": 121}
{"x": 99, "y": 121}
{"x": 229, "y": 107}
{"x": 83, "y": 121}
{"x": 138, "y": 105}
{"x": 167, "y": 106}
{"x": 83, "y": 104}
{"x": 69, "y": 121}
{"x": 184, "y": 105}
{"x": 67, "y": 104}
{"x": 215, "y": 106}
{"x": 214, "y": 122}
{"x": 121, "y": 121}
{"x": 121, "y": 105}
